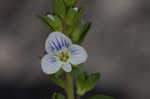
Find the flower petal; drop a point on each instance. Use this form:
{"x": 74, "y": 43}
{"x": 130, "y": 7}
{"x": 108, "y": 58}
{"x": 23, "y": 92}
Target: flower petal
{"x": 55, "y": 42}
{"x": 50, "y": 64}
{"x": 67, "y": 67}
{"x": 78, "y": 55}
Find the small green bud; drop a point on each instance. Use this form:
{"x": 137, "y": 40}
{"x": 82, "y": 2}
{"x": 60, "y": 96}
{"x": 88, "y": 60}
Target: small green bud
{"x": 70, "y": 3}
{"x": 54, "y": 21}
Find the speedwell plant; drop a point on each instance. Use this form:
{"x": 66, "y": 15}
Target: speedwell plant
{"x": 65, "y": 56}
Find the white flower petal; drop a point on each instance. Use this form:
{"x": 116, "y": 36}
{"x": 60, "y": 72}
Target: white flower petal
{"x": 50, "y": 64}
{"x": 67, "y": 67}
{"x": 78, "y": 55}
{"x": 55, "y": 41}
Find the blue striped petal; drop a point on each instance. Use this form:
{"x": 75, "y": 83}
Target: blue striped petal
{"x": 50, "y": 64}
{"x": 78, "y": 55}
{"x": 56, "y": 41}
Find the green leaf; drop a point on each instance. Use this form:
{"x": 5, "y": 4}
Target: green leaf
{"x": 85, "y": 82}
{"x": 54, "y": 21}
{"x": 79, "y": 14}
{"x": 70, "y": 16}
{"x": 57, "y": 96}
{"x": 76, "y": 31}
{"x": 86, "y": 29}
{"x": 76, "y": 69}
{"x": 100, "y": 97}
{"x": 45, "y": 22}
{"x": 92, "y": 81}
{"x": 81, "y": 11}
{"x": 70, "y": 3}
{"x": 59, "y": 7}
{"x": 80, "y": 83}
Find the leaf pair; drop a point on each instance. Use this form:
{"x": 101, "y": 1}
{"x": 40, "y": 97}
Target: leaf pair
{"x": 85, "y": 82}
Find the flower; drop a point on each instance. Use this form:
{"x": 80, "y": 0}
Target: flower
{"x": 61, "y": 53}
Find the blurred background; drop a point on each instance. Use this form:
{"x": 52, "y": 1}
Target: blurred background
{"x": 118, "y": 46}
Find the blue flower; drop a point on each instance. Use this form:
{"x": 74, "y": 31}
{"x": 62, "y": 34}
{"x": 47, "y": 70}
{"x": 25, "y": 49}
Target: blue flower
{"x": 61, "y": 53}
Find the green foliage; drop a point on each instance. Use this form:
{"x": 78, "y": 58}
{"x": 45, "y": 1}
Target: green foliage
{"x": 76, "y": 69}
{"x": 86, "y": 29}
{"x": 92, "y": 81}
{"x": 59, "y": 7}
{"x": 58, "y": 79}
{"x": 55, "y": 22}
{"x": 80, "y": 12}
{"x": 71, "y": 14}
{"x": 76, "y": 31}
{"x": 57, "y": 96}
{"x": 70, "y": 3}
{"x": 85, "y": 82}
{"x": 100, "y": 97}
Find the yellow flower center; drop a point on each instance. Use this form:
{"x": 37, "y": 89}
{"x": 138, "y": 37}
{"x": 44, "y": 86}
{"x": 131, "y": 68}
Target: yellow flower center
{"x": 63, "y": 56}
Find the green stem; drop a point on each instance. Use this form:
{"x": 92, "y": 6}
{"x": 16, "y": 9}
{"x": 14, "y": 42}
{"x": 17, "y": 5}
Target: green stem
{"x": 69, "y": 88}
